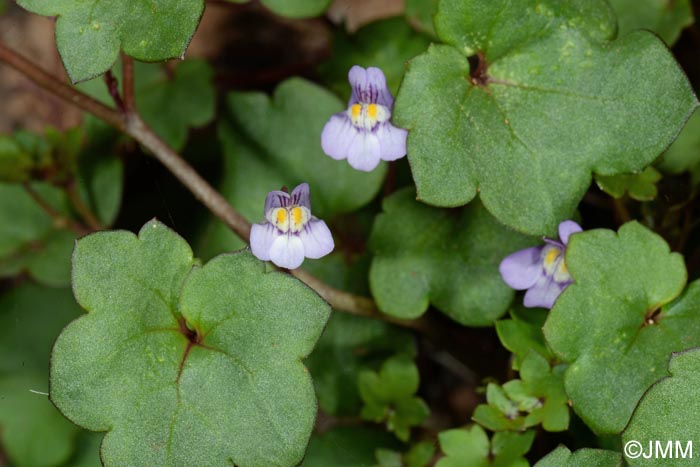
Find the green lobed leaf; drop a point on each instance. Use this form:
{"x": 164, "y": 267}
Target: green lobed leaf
{"x": 528, "y": 131}
{"x": 667, "y": 18}
{"x": 668, "y": 414}
{"x": 522, "y": 333}
{"x": 471, "y": 447}
{"x": 90, "y": 33}
{"x": 273, "y": 142}
{"x": 32, "y": 432}
{"x": 386, "y": 44}
{"x": 445, "y": 257}
{"x": 640, "y": 186}
{"x": 538, "y": 397}
{"x": 562, "y": 457}
{"x": 616, "y": 324}
{"x": 346, "y": 447}
{"x": 186, "y": 365}
{"x": 684, "y": 153}
{"x": 389, "y": 396}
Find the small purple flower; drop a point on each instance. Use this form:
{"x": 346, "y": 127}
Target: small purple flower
{"x": 541, "y": 270}
{"x": 290, "y": 232}
{"x": 363, "y": 134}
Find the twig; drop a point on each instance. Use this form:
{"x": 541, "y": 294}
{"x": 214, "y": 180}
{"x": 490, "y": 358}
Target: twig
{"x": 128, "y": 83}
{"x": 58, "y": 219}
{"x": 81, "y": 208}
{"x": 132, "y": 124}
{"x": 65, "y": 92}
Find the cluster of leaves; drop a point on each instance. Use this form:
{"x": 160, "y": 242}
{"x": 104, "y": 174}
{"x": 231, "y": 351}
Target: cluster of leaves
{"x": 177, "y": 360}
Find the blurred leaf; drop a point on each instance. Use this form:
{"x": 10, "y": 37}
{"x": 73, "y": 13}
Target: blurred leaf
{"x": 170, "y": 100}
{"x": 349, "y": 346}
{"x": 640, "y": 186}
{"x": 538, "y": 397}
{"x": 90, "y": 34}
{"x": 420, "y": 14}
{"x": 562, "y": 457}
{"x": 527, "y": 128}
{"x": 88, "y": 450}
{"x": 389, "y": 396}
{"x": 624, "y": 284}
{"x": 668, "y": 412}
{"x": 684, "y": 153}
{"x": 273, "y": 142}
{"x": 346, "y": 447}
{"x": 471, "y": 447}
{"x": 297, "y": 8}
{"x": 16, "y": 165}
{"x": 186, "y": 365}
{"x": 32, "y": 432}
{"x": 388, "y": 458}
{"x": 522, "y": 333}
{"x": 173, "y": 104}
{"x": 385, "y": 44}
{"x": 31, "y": 242}
{"x": 667, "y": 18}
{"x": 445, "y": 257}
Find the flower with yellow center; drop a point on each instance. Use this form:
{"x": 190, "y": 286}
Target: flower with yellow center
{"x": 290, "y": 233}
{"x": 541, "y": 270}
{"x": 363, "y": 133}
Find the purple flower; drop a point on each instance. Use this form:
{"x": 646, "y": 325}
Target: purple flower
{"x": 363, "y": 134}
{"x": 290, "y": 232}
{"x": 541, "y": 270}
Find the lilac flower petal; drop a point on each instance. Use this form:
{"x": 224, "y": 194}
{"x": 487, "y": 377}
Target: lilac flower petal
{"x": 276, "y": 199}
{"x": 544, "y": 293}
{"x": 317, "y": 239}
{"x": 358, "y": 82}
{"x": 287, "y": 251}
{"x": 566, "y": 229}
{"x": 337, "y": 136}
{"x": 392, "y": 141}
{"x": 522, "y": 269}
{"x": 378, "y": 88}
{"x": 300, "y": 196}
{"x": 363, "y": 153}
{"x": 261, "y": 238}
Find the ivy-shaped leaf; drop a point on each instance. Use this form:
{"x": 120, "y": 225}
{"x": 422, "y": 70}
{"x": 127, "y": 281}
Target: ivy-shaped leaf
{"x": 522, "y": 333}
{"x": 445, "y": 257}
{"x": 389, "y": 395}
{"x": 205, "y": 373}
{"x": 538, "y": 397}
{"x": 640, "y": 186}
{"x": 273, "y": 142}
{"x": 668, "y": 413}
{"x": 526, "y": 125}
{"x": 472, "y": 447}
{"x": 32, "y": 432}
{"x": 346, "y": 447}
{"x": 562, "y": 457}
{"x": 419, "y": 455}
{"x": 90, "y": 34}
{"x": 667, "y": 18}
{"x": 616, "y": 324}
{"x": 684, "y": 153}
{"x": 387, "y": 44}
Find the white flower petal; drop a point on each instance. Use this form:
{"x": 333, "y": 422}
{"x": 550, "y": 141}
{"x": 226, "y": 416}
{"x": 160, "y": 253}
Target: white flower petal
{"x": 363, "y": 153}
{"x": 261, "y": 238}
{"x": 287, "y": 251}
{"x": 317, "y": 239}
